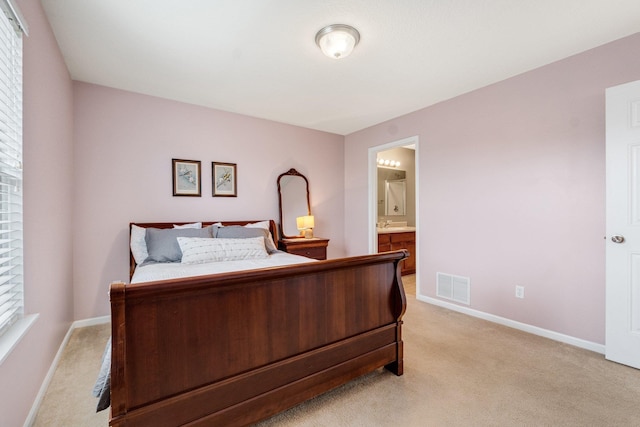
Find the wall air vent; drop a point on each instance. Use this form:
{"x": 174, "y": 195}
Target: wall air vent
{"x": 455, "y": 288}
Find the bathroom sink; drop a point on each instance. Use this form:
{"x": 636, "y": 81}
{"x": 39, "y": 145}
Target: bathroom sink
{"x": 395, "y": 229}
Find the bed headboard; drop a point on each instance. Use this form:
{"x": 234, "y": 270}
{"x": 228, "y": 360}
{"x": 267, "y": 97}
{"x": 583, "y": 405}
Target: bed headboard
{"x": 132, "y": 262}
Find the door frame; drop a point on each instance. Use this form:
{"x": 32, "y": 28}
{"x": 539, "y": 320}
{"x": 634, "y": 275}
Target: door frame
{"x": 373, "y": 194}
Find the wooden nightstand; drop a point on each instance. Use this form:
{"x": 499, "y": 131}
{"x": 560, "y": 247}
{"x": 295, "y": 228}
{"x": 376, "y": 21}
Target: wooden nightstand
{"x": 315, "y": 247}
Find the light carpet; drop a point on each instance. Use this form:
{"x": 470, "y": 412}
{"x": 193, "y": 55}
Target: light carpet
{"x": 458, "y": 371}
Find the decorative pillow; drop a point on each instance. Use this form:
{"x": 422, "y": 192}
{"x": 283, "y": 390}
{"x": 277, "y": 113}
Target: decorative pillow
{"x": 138, "y": 243}
{"x": 162, "y": 244}
{"x": 243, "y": 232}
{"x": 191, "y": 225}
{"x": 198, "y": 250}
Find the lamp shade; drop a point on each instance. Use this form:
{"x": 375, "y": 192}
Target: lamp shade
{"x": 305, "y": 222}
{"x": 337, "y": 40}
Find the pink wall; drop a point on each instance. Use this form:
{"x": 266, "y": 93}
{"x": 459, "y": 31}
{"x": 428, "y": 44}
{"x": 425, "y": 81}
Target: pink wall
{"x": 512, "y": 190}
{"x": 48, "y": 165}
{"x": 124, "y": 143}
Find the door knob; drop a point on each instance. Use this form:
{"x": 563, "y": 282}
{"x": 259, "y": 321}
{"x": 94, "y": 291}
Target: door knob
{"x": 617, "y": 239}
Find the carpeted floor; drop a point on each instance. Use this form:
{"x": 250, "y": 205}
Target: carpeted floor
{"x": 68, "y": 401}
{"x": 459, "y": 371}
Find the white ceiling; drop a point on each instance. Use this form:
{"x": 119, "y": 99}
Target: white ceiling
{"x": 259, "y": 58}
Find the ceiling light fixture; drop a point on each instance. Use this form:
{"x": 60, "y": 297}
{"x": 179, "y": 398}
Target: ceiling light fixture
{"x": 337, "y": 40}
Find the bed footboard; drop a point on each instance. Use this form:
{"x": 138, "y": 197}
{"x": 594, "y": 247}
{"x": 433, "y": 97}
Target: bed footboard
{"x": 232, "y": 349}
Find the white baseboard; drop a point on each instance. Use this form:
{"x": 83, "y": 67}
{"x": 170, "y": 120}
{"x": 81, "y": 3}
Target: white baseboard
{"x": 556, "y": 336}
{"x": 90, "y": 322}
{"x": 47, "y": 379}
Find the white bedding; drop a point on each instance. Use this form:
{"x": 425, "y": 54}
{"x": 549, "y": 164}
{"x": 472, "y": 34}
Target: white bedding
{"x": 164, "y": 271}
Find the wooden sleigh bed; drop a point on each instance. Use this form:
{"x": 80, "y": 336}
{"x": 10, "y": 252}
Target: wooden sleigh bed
{"x": 234, "y": 348}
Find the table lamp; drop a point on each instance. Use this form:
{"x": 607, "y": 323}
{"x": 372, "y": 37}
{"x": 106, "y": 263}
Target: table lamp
{"x": 305, "y": 225}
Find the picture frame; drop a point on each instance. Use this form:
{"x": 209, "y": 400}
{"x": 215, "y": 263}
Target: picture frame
{"x": 224, "y": 179}
{"x": 186, "y": 178}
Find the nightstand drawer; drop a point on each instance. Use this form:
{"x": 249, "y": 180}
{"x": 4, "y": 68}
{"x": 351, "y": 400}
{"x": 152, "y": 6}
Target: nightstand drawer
{"x": 316, "y": 253}
{"x": 315, "y": 247}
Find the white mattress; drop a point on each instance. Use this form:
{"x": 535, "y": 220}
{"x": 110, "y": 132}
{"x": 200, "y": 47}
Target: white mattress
{"x": 175, "y": 270}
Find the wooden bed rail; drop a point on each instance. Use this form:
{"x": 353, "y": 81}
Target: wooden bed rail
{"x": 233, "y": 348}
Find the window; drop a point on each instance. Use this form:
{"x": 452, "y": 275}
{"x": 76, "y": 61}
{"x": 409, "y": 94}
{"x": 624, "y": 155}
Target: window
{"x": 11, "y": 277}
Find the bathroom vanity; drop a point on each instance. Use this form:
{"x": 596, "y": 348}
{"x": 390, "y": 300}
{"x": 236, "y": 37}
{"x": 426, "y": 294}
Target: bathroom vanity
{"x": 393, "y": 238}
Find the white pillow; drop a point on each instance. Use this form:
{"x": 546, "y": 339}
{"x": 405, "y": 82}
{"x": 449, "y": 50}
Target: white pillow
{"x": 197, "y": 250}
{"x": 192, "y": 225}
{"x": 138, "y": 244}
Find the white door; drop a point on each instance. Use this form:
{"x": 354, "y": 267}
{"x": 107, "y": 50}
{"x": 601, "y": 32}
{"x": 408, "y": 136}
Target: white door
{"x": 623, "y": 224}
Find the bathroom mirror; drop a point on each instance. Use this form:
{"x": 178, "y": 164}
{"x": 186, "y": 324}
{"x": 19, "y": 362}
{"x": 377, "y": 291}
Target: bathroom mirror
{"x": 395, "y": 197}
{"x": 293, "y": 193}
{"x": 385, "y": 175}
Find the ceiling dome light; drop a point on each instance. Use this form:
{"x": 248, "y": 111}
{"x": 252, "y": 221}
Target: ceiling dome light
{"x": 337, "y": 40}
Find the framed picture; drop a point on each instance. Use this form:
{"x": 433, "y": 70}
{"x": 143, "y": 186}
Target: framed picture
{"x": 186, "y": 178}
{"x": 224, "y": 178}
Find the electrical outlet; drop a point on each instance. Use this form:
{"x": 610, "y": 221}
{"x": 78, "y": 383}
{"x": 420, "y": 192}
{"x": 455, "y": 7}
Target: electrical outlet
{"x": 519, "y": 291}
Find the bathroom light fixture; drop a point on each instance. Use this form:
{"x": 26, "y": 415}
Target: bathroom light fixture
{"x": 337, "y": 40}
{"x": 305, "y": 225}
{"x": 388, "y": 163}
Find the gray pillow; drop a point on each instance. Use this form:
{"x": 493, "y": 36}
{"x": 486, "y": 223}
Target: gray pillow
{"x": 240, "y": 232}
{"x": 162, "y": 243}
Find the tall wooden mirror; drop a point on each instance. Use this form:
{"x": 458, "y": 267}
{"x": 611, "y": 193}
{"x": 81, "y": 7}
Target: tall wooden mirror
{"x": 293, "y": 193}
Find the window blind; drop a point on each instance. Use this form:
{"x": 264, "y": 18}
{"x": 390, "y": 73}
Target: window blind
{"x": 11, "y": 272}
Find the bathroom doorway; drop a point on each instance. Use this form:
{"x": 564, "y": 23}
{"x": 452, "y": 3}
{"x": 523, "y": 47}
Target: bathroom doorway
{"x": 393, "y": 203}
